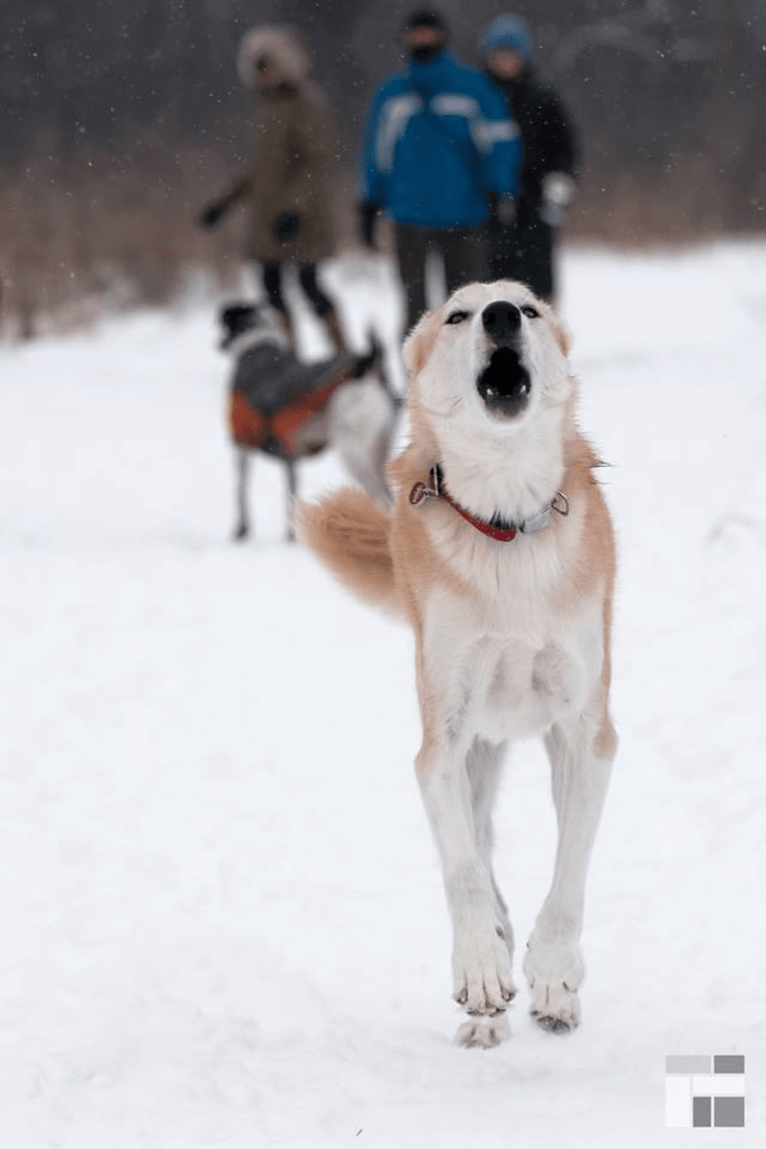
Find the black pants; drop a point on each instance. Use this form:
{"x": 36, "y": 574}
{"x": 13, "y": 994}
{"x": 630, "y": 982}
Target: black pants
{"x": 524, "y": 251}
{"x": 307, "y": 277}
{"x": 464, "y": 254}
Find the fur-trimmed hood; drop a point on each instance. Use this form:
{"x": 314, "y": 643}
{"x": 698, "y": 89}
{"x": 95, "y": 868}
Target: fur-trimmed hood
{"x": 282, "y": 45}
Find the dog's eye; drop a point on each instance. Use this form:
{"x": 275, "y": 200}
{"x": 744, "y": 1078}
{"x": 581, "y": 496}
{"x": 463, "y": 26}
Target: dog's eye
{"x": 530, "y": 311}
{"x": 457, "y": 317}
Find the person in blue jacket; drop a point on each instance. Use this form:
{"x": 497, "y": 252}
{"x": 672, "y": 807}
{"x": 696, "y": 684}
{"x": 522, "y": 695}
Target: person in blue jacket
{"x": 441, "y": 154}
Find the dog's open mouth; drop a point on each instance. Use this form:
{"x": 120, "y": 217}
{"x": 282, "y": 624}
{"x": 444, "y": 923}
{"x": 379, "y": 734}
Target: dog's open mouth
{"x": 504, "y": 383}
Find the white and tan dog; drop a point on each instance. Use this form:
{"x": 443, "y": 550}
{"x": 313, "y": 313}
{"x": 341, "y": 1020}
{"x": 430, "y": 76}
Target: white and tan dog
{"x": 499, "y": 550}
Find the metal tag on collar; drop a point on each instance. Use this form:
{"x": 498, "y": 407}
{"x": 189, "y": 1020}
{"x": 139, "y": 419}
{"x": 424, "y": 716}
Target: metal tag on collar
{"x": 420, "y": 491}
{"x": 560, "y": 504}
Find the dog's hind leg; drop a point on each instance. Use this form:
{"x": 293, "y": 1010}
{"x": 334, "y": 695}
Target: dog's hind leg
{"x": 292, "y": 495}
{"x": 581, "y": 760}
{"x": 242, "y": 529}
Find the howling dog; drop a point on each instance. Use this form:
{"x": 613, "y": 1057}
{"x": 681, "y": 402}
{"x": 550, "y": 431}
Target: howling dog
{"x": 499, "y": 550}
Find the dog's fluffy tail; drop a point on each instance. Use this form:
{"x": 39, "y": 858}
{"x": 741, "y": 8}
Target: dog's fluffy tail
{"x": 349, "y": 533}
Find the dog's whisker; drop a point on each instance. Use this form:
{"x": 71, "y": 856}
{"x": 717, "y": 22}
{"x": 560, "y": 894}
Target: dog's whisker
{"x": 454, "y": 402}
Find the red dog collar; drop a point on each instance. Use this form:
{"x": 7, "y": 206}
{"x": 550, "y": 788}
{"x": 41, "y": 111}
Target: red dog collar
{"x": 498, "y": 530}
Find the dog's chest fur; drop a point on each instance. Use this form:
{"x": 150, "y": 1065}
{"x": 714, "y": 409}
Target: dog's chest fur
{"x": 516, "y": 654}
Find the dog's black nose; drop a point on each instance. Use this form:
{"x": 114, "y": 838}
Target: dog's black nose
{"x": 501, "y": 320}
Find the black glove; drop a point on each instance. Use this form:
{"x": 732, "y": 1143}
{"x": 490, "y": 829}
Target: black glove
{"x": 368, "y": 213}
{"x": 284, "y": 227}
{"x": 210, "y": 215}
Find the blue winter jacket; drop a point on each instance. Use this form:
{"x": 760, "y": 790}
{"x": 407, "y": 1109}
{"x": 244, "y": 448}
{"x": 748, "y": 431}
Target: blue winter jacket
{"x": 439, "y": 141}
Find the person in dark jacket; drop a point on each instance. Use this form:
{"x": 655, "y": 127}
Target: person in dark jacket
{"x": 524, "y": 248}
{"x": 440, "y": 147}
{"x": 286, "y": 186}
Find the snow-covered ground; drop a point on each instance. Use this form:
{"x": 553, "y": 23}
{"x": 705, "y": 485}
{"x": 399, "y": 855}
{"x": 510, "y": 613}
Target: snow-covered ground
{"x": 222, "y": 915}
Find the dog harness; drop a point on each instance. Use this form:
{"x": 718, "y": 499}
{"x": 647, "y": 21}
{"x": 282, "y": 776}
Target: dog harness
{"x": 497, "y": 528}
{"x": 273, "y": 397}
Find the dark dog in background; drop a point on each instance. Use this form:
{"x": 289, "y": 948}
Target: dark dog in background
{"x": 293, "y": 410}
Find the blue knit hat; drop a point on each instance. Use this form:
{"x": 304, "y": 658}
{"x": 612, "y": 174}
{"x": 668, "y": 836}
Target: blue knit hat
{"x": 507, "y": 32}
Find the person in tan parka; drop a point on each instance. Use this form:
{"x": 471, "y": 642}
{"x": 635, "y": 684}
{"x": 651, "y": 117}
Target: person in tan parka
{"x": 286, "y": 185}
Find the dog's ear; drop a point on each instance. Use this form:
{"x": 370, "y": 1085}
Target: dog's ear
{"x": 419, "y": 343}
{"x": 226, "y": 316}
{"x": 235, "y": 316}
{"x": 563, "y": 338}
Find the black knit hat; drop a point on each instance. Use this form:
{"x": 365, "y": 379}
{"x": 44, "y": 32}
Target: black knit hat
{"x": 426, "y": 18}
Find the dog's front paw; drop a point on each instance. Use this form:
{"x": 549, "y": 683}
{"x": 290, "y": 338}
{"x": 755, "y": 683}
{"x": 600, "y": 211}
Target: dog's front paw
{"x": 555, "y": 1006}
{"x": 554, "y": 973}
{"x": 482, "y": 969}
{"x": 483, "y": 1032}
